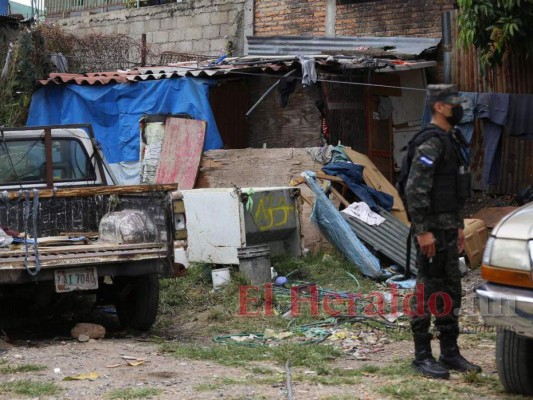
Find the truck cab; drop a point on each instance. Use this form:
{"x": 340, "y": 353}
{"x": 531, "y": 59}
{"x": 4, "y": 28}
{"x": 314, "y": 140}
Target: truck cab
{"x": 73, "y": 231}
{"x": 74, "y": 159}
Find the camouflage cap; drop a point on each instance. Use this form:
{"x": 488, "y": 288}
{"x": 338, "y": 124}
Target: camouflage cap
{"x": 445, "y": 93}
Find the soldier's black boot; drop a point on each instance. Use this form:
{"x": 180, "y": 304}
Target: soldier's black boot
{"x": 424, "y": 361}
{"x": 451, "y": 358}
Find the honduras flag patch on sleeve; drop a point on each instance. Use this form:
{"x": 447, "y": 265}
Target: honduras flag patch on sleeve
{"x": 426, "y": 160}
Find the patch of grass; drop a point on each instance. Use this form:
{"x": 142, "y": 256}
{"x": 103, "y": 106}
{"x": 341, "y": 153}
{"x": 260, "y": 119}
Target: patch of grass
{"x": 398, "y": 368}
{"x": 326, "y": 270}
{"x": 236, "y": 355}
{"x": 6, "y": 368}
{"x": 133, "y": 393}
{"x": 30, "y": 388}
{"x": 223, "y": 382}
{"x": 424, "y": 389}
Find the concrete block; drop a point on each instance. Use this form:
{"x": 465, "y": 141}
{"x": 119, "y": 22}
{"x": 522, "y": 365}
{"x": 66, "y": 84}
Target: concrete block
{"x": 227, "y": 30}
{"x": 176, "y": 35}
{"x": 183, "y": 46}
{"x": 160, "y": 37}
{"x": 201, "y": 46}
{"x": 136, "y": 29}
{"x": 218, "y": 46}
{"x": 152, "y": 25}
{"x": 121, "y": 29}
{"x": 201, "y": 19}
{"x": 193, "y": 33}
{"x": 217, "y": 18}
{"x": 211, "y": 32}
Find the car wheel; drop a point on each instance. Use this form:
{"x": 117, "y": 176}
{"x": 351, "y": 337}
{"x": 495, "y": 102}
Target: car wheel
{"x": 514, "y": 361}
{"x": 137, "y": 301}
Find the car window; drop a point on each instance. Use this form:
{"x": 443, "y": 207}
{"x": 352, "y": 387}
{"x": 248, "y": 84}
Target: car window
{"x": 25, "y": 161}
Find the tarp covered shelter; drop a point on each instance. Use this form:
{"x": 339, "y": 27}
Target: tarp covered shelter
{"x": 114, "y": 111}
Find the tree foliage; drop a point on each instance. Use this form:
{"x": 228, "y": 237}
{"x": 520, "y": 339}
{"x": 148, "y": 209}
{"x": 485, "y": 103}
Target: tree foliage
{"x": 496, "y": 27}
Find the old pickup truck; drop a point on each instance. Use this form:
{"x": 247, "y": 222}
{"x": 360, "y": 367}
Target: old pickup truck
{"x": 68, "y": 229}
{"x": 506, "y": 299}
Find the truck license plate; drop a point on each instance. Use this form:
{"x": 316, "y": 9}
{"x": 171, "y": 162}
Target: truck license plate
{"x": 76, "y": 279}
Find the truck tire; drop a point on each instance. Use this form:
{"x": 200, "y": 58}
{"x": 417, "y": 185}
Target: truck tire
{"x": 514, "y": 361}
{"x": 137, "y": 301}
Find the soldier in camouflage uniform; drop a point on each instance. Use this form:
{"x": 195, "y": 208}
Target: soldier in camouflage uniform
{"x": 436, "y": 188}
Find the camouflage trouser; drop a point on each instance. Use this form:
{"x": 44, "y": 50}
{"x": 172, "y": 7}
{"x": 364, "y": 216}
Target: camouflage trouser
{"x": 440, "y": 274}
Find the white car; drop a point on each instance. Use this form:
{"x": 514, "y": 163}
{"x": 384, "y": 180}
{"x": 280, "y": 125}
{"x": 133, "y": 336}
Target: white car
{"x": 506, "y": 299}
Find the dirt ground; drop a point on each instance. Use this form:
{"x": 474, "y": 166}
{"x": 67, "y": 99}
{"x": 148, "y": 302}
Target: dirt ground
{"x": 187, "y": 379}
{"x": 179, "y": 379}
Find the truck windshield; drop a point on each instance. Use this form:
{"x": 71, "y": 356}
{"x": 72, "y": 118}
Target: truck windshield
{"x": 24, "y": 161}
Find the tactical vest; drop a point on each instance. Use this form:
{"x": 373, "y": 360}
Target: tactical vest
{"x": 447, "y": 195}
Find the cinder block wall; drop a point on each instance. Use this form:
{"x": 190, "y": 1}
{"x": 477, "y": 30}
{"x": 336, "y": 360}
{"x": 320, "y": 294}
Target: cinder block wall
{"x": 366, "y": 18}
{"x": 193, "y": 26}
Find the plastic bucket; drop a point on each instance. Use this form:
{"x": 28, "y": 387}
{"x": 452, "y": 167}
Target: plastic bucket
{"x": 254, "y": 263}
{"x": 220, "y": 276}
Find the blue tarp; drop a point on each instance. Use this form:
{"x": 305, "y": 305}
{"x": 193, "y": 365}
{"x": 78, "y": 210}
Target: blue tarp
{"x": 339, "y": 233}
{"x": 114, "y": 110}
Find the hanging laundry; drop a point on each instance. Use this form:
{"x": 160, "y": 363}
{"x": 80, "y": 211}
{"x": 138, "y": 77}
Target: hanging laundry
{"x": 309, "y": 75}
{"x": 469, "y": 115}
{"x": 520, "y": 118}
{"x": 492, "y": 108}
{"x": 285, "y": 88}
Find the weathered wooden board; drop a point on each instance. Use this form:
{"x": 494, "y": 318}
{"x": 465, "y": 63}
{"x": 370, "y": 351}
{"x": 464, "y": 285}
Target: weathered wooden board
{"x": 375, "y": 179}
{"x": 297, "y": 125}
{"x": 263, "y": 168}
{"x": 181, "y": 153}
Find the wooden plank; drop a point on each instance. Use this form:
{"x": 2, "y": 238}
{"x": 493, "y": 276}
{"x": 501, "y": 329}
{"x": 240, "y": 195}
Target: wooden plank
{"x": 97, "y": 190}
{"x": 375, "y": 179}
{"x": 96, "y": 247}
{"x": 69, "y": 262}
{"x": 66, "y": 256}
{"x": 181, "y": 153}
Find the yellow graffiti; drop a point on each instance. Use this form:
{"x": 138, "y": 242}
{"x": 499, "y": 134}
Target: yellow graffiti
{"x": 272, "y": 212}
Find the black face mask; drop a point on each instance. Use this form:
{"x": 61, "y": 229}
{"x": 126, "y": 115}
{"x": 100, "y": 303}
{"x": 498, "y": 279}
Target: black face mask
{"x": 457, "y": 115}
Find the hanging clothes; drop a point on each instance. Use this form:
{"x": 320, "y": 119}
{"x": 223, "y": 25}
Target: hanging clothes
{"x": 309, "y": 75}
{"x": 285, "y": 88}
{"x": 469, "y": 115}
{"x": 520, "y": 118}
{"x": 492, "y": 109}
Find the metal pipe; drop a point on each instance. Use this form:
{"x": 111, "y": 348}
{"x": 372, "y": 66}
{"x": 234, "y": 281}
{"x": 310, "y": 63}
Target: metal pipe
{"x": 251, "y": 110}
{"x": 447, "y": 46}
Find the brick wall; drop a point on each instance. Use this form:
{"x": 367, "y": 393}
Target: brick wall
{"x": 369, "y": 18}
{"x": 194, "y": 26}
{"x": 290, "y": 17}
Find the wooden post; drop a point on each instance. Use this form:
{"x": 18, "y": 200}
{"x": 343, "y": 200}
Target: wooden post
{"x": 143, "y": 50}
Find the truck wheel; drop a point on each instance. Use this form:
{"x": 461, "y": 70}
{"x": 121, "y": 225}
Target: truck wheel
{"x": 137, "y": 301}
{"x": 515, "y": 362}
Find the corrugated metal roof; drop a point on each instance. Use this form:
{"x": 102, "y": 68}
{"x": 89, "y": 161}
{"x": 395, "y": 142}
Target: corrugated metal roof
{"x": 259, "y": 64}
{"x": 160, "y": 72}
{"x": 295, "y": 45}
{"x": 389, "y": 238}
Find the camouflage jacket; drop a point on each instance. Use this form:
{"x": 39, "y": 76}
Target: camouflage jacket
{"x": 418, "y": 191}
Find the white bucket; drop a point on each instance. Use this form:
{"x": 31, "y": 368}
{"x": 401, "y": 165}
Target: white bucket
{"x": 220, "y": 277}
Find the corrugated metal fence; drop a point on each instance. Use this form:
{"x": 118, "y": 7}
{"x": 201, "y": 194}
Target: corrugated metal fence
{"x": 514, "y": 76}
